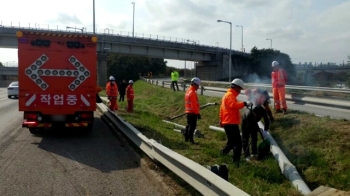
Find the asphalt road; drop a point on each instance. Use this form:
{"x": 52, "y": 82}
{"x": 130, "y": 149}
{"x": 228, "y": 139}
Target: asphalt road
{"x": 66, "y": 162}
{"x": 321, "y": 111}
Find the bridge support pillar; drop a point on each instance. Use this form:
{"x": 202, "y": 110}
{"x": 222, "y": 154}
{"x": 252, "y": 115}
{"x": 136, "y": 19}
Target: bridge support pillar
{"x": 102, "y": 70}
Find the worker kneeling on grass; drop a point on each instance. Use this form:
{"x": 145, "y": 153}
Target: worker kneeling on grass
{"x": 250, "y": 129}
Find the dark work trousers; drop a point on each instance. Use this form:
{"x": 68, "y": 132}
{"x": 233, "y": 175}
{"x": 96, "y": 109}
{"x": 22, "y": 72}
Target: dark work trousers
{"x": 191, "y": 127}
{"x": 173, "y": 83}
{"x": 234, "y": 142}
{"x": 268, "y": 110}
{"x": 248, "y": 132}
{"x": 121, "y": 97}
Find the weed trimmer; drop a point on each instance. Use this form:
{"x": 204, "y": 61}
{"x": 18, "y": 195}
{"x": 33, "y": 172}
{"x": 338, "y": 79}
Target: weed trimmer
{"x": 201, "y": 107}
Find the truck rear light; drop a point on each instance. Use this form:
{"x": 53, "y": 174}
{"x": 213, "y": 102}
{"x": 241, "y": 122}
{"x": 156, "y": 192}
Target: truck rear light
{"x": 29, "y": 122}
{"x": 86, "y": 115}
{"x": 30, "y": 116}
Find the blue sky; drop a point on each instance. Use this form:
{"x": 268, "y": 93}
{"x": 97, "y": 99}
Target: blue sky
{"x": 307, "y": 30}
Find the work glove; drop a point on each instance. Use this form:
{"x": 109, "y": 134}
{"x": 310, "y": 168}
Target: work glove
{"x": 248, "y": 103}
{"x": 199, "y": 116}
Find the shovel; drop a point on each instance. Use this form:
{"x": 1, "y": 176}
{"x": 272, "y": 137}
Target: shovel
{"x": 201, "y": 107}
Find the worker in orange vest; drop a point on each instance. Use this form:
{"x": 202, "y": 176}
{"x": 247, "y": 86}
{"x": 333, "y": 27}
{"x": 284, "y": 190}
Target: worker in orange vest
{"x": 230, "y": 118}
{"x": 279, "y": 79}
{"x": 130, "y": 96}
{"x": 192, "y": 109}
{"x": 112, "y": 93}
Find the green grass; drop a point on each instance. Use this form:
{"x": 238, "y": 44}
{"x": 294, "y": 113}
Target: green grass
{"x": 318, "y": 147}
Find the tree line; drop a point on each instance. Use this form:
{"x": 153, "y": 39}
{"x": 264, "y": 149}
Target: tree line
{"x": 131, "y": 67}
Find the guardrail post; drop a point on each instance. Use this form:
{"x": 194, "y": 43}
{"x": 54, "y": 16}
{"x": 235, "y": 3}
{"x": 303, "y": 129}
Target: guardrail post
{"x": 157, "y": 83}
{"x": 163, "y": 84}
{"x": 151, "y": 81}
{"x": 184, "y": 87}
{"x": 202, "y": 90}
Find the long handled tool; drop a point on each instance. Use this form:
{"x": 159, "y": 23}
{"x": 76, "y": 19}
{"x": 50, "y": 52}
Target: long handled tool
{"x": 201, "y": 107}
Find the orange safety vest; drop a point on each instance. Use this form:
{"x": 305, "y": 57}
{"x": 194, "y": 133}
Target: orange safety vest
{"x": 129, "y": 92}
{"x": 279, "y": 78}
{"x": 229, "y": 109}
{"x": 191, "y": 101}
{"x": 112, "y": 90}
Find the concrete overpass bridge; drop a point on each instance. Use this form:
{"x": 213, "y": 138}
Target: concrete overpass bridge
{"x": 7, "y": 75}
{"x": 308, "y": 71}
{"x": 212, "y": 62}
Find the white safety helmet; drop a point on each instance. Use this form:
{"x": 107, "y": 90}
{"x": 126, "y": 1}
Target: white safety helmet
{"x": 111, "y": 78}
{"x": 131, "y": 82}
{"x": 275, "y": 63}
{"x": 196, "y": 80}
{"x": 237, "y": 82}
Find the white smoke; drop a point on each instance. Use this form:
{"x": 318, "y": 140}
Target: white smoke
{"x": 254, "y": 78}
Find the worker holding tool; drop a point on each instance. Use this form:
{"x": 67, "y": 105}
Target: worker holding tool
{"x": 130, "y": 96}
{"x": 230, "y": 119}
{"x": 279, "y": 79}
{"x": 112, "y": 93}
{"x": 192, "y": 109}
{"x": 260, "y": 96}
{"x": 250, "y": 129}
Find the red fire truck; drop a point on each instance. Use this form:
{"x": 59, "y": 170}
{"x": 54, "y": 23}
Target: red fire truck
{"x": 57, "y": 79}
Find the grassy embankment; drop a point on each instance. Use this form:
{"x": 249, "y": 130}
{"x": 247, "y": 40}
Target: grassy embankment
{"x": 318, "y": 147}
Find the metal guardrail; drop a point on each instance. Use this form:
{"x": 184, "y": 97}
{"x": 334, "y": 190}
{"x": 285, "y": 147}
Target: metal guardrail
{"x": 343, "y": 104}
{"x": 203, "y": 180}
{"x": 292, "y": 87}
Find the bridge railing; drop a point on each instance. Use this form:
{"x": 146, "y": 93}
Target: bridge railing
{"x": 190, "y": 43}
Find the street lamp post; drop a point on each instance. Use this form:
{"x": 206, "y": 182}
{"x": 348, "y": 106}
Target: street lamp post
{"x": 93, "y": 15}
{"x": 242, "y": 36}
{"x": 229, "y": 69}
{"x": 271, "y": 41}
{"x": 133, "y": 18}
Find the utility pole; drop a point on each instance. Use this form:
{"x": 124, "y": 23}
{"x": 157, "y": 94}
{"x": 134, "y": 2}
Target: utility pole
{"x": 133, "y": 19}
{"x": 93, "y": 21}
